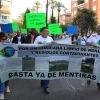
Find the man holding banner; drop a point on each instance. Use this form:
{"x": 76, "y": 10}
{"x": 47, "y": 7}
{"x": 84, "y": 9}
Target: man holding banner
{"x": 41, "y": 39}
{"x": 94, "y": 40}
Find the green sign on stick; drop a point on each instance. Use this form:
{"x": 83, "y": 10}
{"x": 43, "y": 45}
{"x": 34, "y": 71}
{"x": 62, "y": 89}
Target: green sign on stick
{"x": 54, "y": 29}
{"x": 38, "y": 29}
{"x": 14, "y": 26}
{"x": 35, "y": 20}
{"x": 24, "y": 31}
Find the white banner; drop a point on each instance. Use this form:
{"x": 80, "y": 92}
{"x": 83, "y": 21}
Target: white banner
{"x": 49, "y": 61}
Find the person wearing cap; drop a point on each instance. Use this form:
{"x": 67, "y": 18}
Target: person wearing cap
{"x": 81, "y": 40}
{"x": 94, "y": 40}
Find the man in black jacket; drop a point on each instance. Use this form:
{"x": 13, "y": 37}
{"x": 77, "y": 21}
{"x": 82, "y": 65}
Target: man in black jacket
{"x": 30, "y": 38}
{"x": 18, "y": 39}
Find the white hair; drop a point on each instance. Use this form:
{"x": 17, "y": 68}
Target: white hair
{"x": 97, "y": 25}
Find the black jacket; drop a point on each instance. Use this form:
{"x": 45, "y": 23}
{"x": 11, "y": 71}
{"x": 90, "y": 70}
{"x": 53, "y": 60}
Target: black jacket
{"x": 28, "y": 38}
{"x": 15, "y": 40}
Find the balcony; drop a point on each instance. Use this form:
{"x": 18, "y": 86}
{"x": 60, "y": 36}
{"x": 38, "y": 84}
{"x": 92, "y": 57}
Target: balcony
{"x": 80, "y": 6}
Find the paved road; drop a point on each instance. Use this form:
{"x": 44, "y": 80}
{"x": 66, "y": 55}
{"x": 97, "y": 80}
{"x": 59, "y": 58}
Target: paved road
{"x": 59, "y": 90}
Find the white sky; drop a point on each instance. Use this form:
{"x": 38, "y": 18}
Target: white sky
{"x": 19, "y": 6}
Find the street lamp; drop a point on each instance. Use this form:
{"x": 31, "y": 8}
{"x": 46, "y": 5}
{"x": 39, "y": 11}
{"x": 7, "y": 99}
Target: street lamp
{"x": 47, "y": 13}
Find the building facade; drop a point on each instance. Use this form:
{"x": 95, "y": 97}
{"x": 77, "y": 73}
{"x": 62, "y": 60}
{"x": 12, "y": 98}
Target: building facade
{"x": 6, "y": 11}
{"x": 77, "y": 5}
{"x": 65, "y": 19}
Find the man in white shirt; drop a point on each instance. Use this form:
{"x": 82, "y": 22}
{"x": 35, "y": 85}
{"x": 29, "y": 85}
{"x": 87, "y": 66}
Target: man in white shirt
{"x": 41, "y": 39}
{"x": 94, "y": 40}
{"x": 81, "y": 40}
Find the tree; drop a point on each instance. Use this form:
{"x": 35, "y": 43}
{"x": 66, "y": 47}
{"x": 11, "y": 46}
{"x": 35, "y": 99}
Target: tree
{"x": 85, "y": 20}
{"x": 59, "y": 5}
{"x": 52, "y": 3}
{"x": 0, "y": 4}
{"x": 36, "y": 6}
{"x": 21, "y": 19}
{"x": 24, "y": 21}
{"x": 52, "y": 20}
{"x": 64, "y": 27}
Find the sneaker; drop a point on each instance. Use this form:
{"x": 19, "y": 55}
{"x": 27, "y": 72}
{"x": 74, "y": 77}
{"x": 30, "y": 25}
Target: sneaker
{"x": 1, "y": 96}
{"x": 46, "y": 91}
{"x": 7, "y": 89}
{"x": 88, "y": 82}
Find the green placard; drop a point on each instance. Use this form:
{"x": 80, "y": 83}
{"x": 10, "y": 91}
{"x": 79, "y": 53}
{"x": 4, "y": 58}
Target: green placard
{"x": 53, "y": 28}
{"x": 24, "y": 31}
{"x": 59, "y": 31}
{"x": 38, "y": 29}
{"x": 35, "y": 20}
{"x": 14, "y": 26}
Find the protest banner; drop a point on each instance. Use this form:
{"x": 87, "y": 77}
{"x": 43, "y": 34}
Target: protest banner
{"x": 72, "y": 29}
{"x": 6, "y": 28}
{"x": 54, "y": 29}
{"x": 14, "y": 26}
{"x": 24, "y": 31}
{"x": 35, "y": 20}
{"x": 50, "y": 61}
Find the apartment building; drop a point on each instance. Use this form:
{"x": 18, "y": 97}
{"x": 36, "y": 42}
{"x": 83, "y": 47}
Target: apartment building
{"x": 6, "y": 11}
{"x": 77, "y": 5}
{"x": 65, "y": 19}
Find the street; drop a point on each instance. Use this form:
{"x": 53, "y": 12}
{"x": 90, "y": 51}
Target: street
{"x": 61, "y": 89}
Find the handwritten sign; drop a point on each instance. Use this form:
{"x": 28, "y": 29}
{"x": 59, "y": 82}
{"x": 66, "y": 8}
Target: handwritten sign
{"x": 14, "y": 26}
{"x": 6, "y": 28}
{"x": 24, "y": 31}
{"x": 35, "y": 20}
{"x": 54, "y": 29}
{"x": 72, "y": 29}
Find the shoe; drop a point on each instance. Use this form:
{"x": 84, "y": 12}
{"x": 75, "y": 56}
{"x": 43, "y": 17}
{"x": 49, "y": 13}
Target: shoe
{"x": 7, "y": 89}
{"x": 99, "y": 87}
{"x": 46, "y": 91}
{"x": 1, "y": 96}
{"x": 42, "y": 83}
{"x": 88, "y": 82}
{"x": 98, "y": 84}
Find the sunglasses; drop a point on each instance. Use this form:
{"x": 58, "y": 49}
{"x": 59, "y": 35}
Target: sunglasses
{"x": 3, "y": 39}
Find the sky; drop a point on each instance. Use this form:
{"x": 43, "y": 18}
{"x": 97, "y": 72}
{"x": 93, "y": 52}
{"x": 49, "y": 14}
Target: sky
{"x": 19, "y": 6}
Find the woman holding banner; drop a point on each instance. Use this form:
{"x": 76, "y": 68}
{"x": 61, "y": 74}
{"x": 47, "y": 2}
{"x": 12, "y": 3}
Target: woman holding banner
{"x": 3, "y": 39}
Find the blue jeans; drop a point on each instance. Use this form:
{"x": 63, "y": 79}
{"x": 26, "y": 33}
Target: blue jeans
{"x": 2, "y": 85}
{"x": 46, "y": 83}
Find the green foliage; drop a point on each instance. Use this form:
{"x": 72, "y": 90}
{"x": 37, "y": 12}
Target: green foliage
{"x": 24, "y": 21}
{"x": 53, "y": 20}
{"x": 89, "y": 22}
{"x": 63, "y": 27}
{"x": 0, "y": 4}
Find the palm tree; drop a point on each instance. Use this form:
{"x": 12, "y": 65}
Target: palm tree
{"x": 52, "y": 3}
{"x": 85, "y": 20}
{"x": 65, "y": 9}
{"x": 36, "y": 6}
{"x": 47, "y": 12}
{"x": 59, "y": 5}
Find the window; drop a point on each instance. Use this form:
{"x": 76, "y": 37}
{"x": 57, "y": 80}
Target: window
{"x": 4, "y": 17}
{"x": 74, "y": 12}
{"x": 63, "y": 17}
{"x": 74, "y": 4}
{"x": 94, "y": 7}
